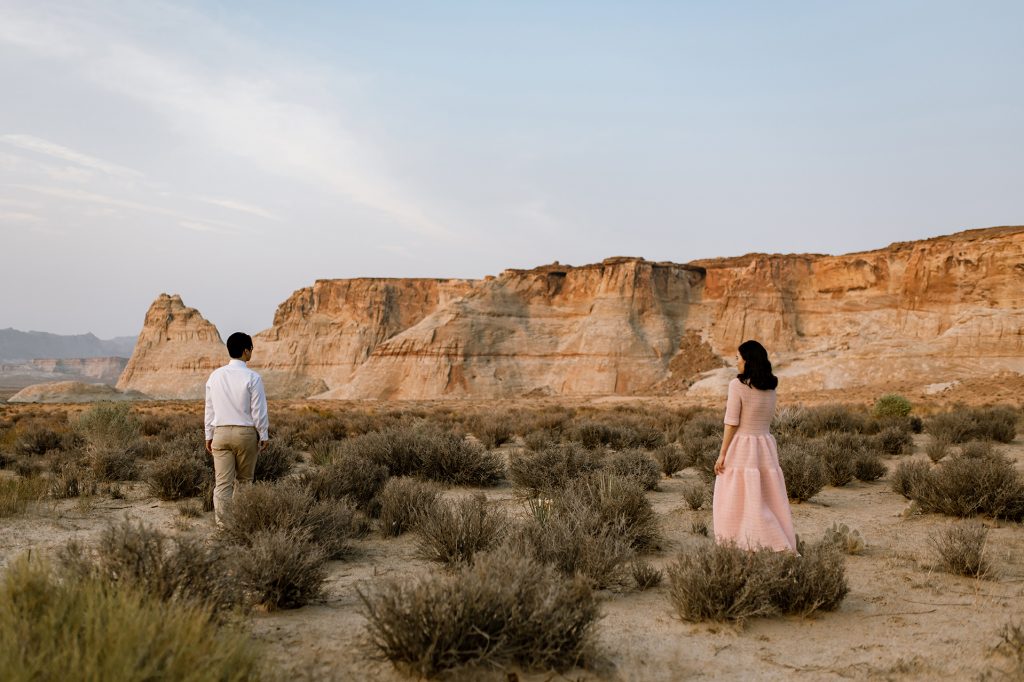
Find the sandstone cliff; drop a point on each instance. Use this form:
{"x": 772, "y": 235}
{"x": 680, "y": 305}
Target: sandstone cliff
{"x": 922, "y": 312}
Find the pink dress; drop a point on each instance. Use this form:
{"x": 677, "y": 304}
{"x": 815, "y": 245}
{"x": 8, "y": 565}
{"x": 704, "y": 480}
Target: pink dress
{"x": 750, "y": 505}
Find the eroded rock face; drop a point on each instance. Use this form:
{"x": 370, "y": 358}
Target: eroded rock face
{"x": 176, "y": 351}
{"x": 922, "y": 312}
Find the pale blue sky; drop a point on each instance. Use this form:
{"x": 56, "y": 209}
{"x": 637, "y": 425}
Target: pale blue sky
{"x": 233, "y": 152}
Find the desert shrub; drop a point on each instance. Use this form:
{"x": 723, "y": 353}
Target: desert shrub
{"x": 821, "y": 419}
{"x": 17, "y": 493}
{"x": 305, "y": 431}
{"x": 695, "y": 495}
{"x": 724, "y": 582}
{"x": 979, "y": 449}
{"x": 349, "y": 476}
{"x": 936, "y": 449}
{"x": 274, "y": 462}
{"x": 110, "y": 425}
{"x": 616, "y": 435}
{"x": 504, "y": 609}
{"x": 190, "y": 508}
{"x": 427, "y": 452}
{"x": 453, "y": 531}
{"x": 37, "y": 440}
{"x": 645, "y": 575}
{"x": 72, "y": 480}
{"x": 869, "y": 467}
{"x": 402, "y": 501}
{"x": 670, "y": 459}
{"x": 287, "y": 506}
{"x": 114, "y": 464}
{"x": 177, "y": 476}
{"x": 963, "y": 486}
{"x": 282, "y": 568}
{"x": 615, "y": 501}
{"x": 492, "y": 430}
{"x": 323, "y": 452}
{"x": 893, "y": 440}
{"x": 805, "y": 474}
{"x": 907, "y": 476}
{"x": 700, "y": 527}
{"x": 702, "y": 455}
{"x": 169, "y": 568}
{"x": 85, "y": 629}
{"x": 153, "y": 424}
{"x": 146, "y": 449}
{"x": 703, "y": 426}
{"x": 960, "y": 549}
{"x": 838, "y": 452}
{"x": 962, "y": 424}
{"x": 637, "y": 465}
{"x": 552, "y": 467}
{"x": 542, "y": 439}
{"x": 891, "y": 405}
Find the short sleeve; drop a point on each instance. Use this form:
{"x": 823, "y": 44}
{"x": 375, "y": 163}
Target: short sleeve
{"x": 734, "y": 405}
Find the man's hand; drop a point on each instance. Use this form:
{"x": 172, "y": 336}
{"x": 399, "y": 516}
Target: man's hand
{"x": 264, "y": 444}
{"x": 209, "y": 446}
{"x": 720, "y": 465}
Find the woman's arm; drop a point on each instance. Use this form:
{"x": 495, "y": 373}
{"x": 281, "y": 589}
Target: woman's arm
{"x": 730, "y": 431}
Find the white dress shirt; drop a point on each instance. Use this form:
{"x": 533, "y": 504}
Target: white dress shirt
{"x": 235, "y": 397}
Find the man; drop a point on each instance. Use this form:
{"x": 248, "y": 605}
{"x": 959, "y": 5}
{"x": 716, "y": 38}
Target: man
{"x": 237, "y": 426}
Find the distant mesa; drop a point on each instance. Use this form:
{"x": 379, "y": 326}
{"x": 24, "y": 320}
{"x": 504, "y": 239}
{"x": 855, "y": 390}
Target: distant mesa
{"x": 72, "y": 392}
{"x": 937, "y": 310}
{"x": 19, "y": 346}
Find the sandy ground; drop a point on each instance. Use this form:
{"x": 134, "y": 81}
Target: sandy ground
{"x": 902, "y": 620}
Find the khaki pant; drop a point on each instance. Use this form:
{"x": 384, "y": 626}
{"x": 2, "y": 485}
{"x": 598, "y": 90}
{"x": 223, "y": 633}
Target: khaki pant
{"x": 235, "y": 449}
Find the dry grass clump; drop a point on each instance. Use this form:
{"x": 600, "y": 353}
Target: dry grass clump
{"x": 937, "y": 449}
{"x": 181, "y": 474}
{"x": 113, "y": 464}
{"x": 670, "y": 458}
{"x": 869, "y": 467}
{"x": 819, "y": 420}
{"x": 427, "y": 451}
{"x": 332, "y": 524}
{"x": 492, "y": 429}
{"x": 965, "y": 486}
{"x": 282, "y": 568}
{"x": 616, "y": 501}
{"x": 894, "y": 440}
{"x": 907, "y": 477}
{"x": 726, "y": 583}
{"x": 402, "y": 501}
{"x": 68, "y": 628}
{"x": 169, "y": 568}
{"x": 839, "y": 452}
{"x": 454, "y": 531}
{"x": 695, "y": 494}
{"x": 72, "y": 480}
{"x": 960, "y": 549}
{"x": 637, "y": 465}
{"x": 979, "y": 449}
{"x": 645, "y": 575}
{"x": 504, "y": 609}
{"x": 38, "y": 440}
{"x": 348, "y": 475}
{"x": 805, "y": 474}
{"x": 17, "y": 493}
{"x": 962, "y": 424}
{"x": 552, "y": 467}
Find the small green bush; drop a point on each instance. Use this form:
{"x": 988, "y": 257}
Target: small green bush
{"x": 891, "y": 405}
{"x": 504, "y": 609}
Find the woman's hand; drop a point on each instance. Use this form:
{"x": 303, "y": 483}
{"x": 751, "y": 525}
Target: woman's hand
{"x": 720, "y": 465}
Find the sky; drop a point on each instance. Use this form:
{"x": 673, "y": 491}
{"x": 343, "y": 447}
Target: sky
{"x": 233, "y": 152}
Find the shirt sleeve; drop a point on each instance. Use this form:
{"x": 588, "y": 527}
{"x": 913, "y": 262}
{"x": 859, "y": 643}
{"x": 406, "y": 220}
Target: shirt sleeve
{"x": 208, "y": 421}
{"x": 734, "y": 405}
{"x": 258, "y": 405}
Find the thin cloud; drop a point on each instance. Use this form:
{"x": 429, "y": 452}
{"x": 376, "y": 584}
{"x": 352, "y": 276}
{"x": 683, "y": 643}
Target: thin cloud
{"x": 57, "y": 151}
{"x": 232, "y": 205}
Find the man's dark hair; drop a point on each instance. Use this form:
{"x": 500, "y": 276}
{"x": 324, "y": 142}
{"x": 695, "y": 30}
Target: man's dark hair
{"x": 757, "y": 370}
{"x": 238, "y": 343}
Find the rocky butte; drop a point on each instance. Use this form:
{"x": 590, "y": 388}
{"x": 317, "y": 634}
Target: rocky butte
{"x": 916, "y": 314}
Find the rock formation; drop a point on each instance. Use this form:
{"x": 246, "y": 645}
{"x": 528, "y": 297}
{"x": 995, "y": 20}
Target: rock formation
{"x": 924, "y": 312}
{"x": 72, "y": 392}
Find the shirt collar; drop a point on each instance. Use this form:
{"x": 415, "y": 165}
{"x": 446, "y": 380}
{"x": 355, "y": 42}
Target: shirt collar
{"x": 235, "y": 362}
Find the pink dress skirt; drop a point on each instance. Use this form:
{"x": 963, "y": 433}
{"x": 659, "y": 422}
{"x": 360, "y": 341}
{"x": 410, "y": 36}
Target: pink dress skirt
{"x": 750, "y": 506}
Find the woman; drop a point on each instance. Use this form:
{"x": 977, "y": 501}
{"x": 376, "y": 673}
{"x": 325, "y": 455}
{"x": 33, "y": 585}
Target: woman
{"x": 750, "y": 505}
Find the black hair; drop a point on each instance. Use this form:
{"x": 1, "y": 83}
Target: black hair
{"x": 238, "y": 343}
{"x": 757, "y": 368}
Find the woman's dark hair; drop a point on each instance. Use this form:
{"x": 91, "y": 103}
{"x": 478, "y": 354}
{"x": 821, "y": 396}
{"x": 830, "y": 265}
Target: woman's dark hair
{"x": 238, "y": 343}
{"x": 757, "y": 368}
